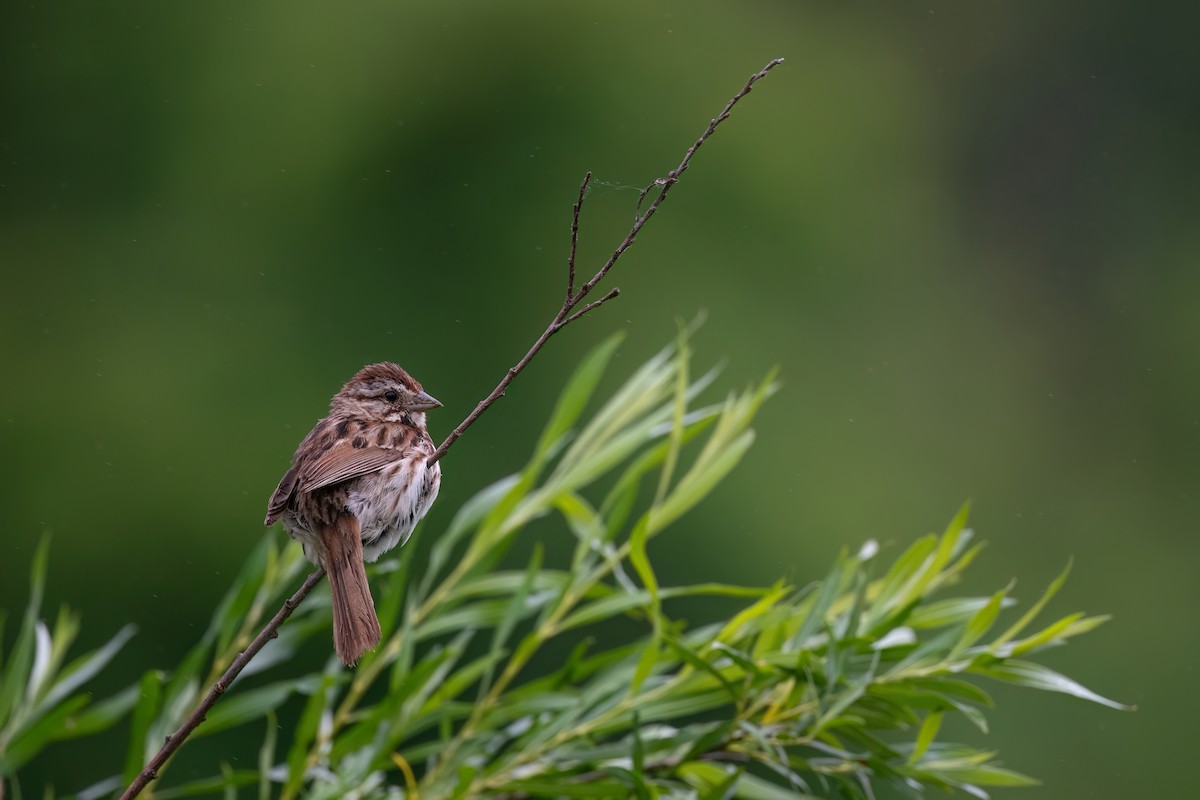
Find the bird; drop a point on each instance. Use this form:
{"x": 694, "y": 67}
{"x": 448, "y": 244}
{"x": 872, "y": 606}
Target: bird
{"x": 358, "y": 484}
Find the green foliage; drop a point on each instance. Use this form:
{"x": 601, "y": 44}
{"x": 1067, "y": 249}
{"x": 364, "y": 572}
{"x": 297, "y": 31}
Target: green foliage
{"x": 829, "y": 690}
{"x": 40, "y": 697}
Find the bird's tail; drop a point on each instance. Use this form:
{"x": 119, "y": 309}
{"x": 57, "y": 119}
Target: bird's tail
{"x": 355, "y": 626}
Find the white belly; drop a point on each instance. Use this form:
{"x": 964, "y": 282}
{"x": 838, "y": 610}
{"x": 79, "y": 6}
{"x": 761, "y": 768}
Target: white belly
{"x": 389, "y": 503}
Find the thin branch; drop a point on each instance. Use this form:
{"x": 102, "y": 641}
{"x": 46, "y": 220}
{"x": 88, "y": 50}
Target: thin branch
{"x": 174, "y": 740}
{"x": 575, "y": 235}
{"x": 566, "y": 315}
{"x": 613, "y": 292}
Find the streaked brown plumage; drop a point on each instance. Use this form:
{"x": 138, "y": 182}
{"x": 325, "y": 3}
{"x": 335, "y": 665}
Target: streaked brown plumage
{"x": 359, "y": 483}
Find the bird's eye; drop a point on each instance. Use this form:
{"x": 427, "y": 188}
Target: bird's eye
{"x": 391, "y": 395}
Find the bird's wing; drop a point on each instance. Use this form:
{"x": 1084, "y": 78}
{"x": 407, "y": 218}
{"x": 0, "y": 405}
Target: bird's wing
{"x": 341, "y": 462}
{"x": 282, "y": 496}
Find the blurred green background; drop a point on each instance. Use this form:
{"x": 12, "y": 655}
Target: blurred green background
{"x": 965, "y": 231}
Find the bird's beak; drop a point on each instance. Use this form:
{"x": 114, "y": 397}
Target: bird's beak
{"x": 424, "y": 401}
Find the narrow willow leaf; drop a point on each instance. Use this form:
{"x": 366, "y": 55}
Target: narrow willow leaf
{"x": 641, "y": 391}
{"x": 479, "y": 614}
{"x": 979, "y": 624}
{"x": 675, "y": 440}
{"x": 831, "y": 587}
{"x": 39, "y": 673}
{"x": 1084, "y": 625}
{"x": 711, "y": 781}
{"x": 102, "y": 715}
{"x": 20, "y": 662}
{"x": 144, "y": 714}
{"x": 646, "y": 663}
{"x": 619, "y": 502}
{"x": 624, "y": 602}
{"x": 698, "y": 482}
{"x": 639, "y": 748}
{"x": 584, "y": 522}
{"x": 29, "y": 741}
{"x": 1035, "y": 676}
{"x": 442, "y": 663}
{"x": 284, "y": 647}
{"x": 578, "y": 391}
{"x": 733, "y": 628}
{"x": 505, "y": 582}
{"x": 87, "y": 667}
{"x": 394, "y": 592}
{"x": 230, "y": 614}
{"x": 461, "y": 679}
{"x": 696, "y": 661}
{"x": 512, "y": 615}
{"x": 926, "y": 735}
{"x": 1051, "y": 634}
{"x": 991, "y": 775}
{"x": 954, "y": 611}
{"x": 229, "y": 779}
{"x": 469, "y": 516}
{"x": 266, "y": 757}
{"x": 565, "y": 788}
{"x": 253, "y": 704}
{"x": 641, "y": 563}
{"x": 895, "y": 588}
{"x": 304, "y": 734}
{"x": 1030, "y": 615}
{"x": 752, "y": 787}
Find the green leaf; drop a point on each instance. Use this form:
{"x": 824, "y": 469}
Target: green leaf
{"x": 585, "y": 523}
{"x": 646, "y": 663}
{"x": 34, "y": 738}
{"x": 624, "y": 602}
{"x": 712, "y": 781}
{"x": 228, "y": 618}
{"x": 231, "y": 779}
{"x": 1030, "y": 615}
{"x": 565, "y": 788}
{"x": 144, "y": 713}
{"x": 675, "y": 440}
{"x": 266, "y": 757}
{"x": 925, "y": 736}
{"x": 578, "y": 391}
{"x": 305, "y": 733}
{"x": 814, "y": 619}
{"x": 469, "y": 516}
{"x": 87, "y": 667}
{"x": 698, "y": 482}
{"x": 752, "y": 787}
{"x": 16, "y": 674}
{"x": 979, "y": 624}
{"x": 991, "y": 775}
{"x": 253, "y": 704}
{"x": 1035, "y": 676}
{"x": 954, "y": 611}
{"x": 104, "y": 714}
{"x": 515, "y": 611}
{"x": 641, "y": 564}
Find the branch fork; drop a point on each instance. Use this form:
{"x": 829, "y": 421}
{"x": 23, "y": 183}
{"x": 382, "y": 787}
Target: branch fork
{"x": 568, "y": 313}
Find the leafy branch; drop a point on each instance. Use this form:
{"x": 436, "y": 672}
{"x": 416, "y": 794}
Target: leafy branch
{"x": 836, "y": 689}
{"x": 568, "y": 313}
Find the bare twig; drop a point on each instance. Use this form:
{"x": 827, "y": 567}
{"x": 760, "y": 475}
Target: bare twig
{"x": 174, "y": 740}
{"x": 565, "y": 316}
{"x": 574, "y": 237}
